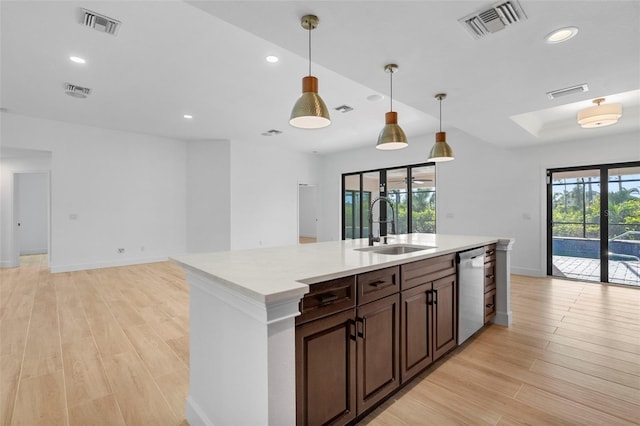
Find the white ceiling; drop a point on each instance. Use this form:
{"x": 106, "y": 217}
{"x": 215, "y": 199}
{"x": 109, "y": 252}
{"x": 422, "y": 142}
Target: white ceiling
{"x": 206, "y": 58}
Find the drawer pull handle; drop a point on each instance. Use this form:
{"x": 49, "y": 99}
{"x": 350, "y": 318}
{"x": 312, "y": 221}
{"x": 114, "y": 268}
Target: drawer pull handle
{"x": 328, "y": 298}
{"x": 377, "y": 284}
{"x": 435, "y": 297}
{"x": 490, "y": 306}
{"x": 491, "y": 252}
{"x": 490, "y": 276}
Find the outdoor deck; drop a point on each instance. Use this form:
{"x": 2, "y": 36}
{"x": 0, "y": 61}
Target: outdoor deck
{"x": 581, "y": 268}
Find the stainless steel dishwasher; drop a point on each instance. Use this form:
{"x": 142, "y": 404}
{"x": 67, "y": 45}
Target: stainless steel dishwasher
{"x": 470, "y": 292}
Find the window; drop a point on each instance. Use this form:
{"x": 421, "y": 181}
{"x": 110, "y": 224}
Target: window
{"x": 412, "y": 190}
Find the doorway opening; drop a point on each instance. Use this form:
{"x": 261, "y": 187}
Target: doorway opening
{"x": 307, "y": 214}
{"x": 593, "y": 216}
{"x": 31, "y": 218}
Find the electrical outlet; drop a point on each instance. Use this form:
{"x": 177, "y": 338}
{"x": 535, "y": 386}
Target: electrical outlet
{"x": 120, "y": 250}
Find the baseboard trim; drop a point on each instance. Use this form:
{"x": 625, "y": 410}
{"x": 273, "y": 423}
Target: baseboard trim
{"x": 8, "y": 264}
{"x": 33, "y": 251}
{"x": 195, "y": 415}
{"x": 109, "y": 264}
{"x": 530, "y": 272}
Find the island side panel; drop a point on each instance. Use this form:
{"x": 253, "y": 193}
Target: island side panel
{"x": 503, "y": 282}
{"x": 242, "y": 367}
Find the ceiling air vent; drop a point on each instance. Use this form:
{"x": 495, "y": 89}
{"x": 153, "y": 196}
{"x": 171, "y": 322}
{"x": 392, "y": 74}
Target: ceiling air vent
{"x": 493, "y": 19}
{"x": 76, "y": 91}
{"x": 344, "y": 108}
{"x": 100, "y": 22}
{"x": 272, "y": 132}
{"x": 568, "y": 91}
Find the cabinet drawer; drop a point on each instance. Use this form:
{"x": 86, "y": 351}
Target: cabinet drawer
{"x": 489, "y": 305}
{"x": 326, "y": 298}
{"x": 428, "y": 270}
{"x": 490, "y": 253}
{"x": 489, "y": 276}
{"x": 377, "y": 284}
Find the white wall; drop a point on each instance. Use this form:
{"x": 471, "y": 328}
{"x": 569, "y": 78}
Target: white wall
{"x": 264, "y": 193}
{"x": 32, "y": 207}
{"x": 208, "y": 196}
{"x": 485, "y": 190}
{"x": 126, "y": 191}
{"x": 35, "y": 162}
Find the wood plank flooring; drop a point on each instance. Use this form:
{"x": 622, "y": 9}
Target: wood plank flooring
{"x": 111, "y": 347}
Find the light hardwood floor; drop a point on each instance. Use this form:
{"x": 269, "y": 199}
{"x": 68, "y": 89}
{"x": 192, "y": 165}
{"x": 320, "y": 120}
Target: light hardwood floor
{"x": 111, "y": 347}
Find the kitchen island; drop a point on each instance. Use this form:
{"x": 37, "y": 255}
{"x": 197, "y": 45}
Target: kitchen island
{"x": 243, "y": 306}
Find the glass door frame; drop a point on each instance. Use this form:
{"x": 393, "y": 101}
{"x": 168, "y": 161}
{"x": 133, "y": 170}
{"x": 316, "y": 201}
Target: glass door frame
{"x": 383, "y": 193}
{"x": 604, "y": 212}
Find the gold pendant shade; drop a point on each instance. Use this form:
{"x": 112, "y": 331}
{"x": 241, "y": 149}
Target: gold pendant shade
{"x": 309, "y": 111}
{"x": 391, "y": 136}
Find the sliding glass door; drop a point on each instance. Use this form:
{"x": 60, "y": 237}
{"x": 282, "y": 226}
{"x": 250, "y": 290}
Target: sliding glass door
{"x": 593, "y": 231}
{"x": 623, "y": 218}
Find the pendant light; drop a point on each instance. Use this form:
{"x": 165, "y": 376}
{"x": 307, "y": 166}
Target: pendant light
{"x": 391, "y": 136}
{"x": 309, "y": 112}
{"x": 441, "y": 150}
{"x": 599, "y": 115}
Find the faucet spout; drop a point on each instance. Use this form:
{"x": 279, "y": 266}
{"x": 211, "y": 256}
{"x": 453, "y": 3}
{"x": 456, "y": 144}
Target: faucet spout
{"x": 371, "y": 221}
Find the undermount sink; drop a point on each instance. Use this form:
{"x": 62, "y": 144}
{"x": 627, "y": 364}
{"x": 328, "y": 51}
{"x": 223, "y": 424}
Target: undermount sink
{"x": 395, "y": 248}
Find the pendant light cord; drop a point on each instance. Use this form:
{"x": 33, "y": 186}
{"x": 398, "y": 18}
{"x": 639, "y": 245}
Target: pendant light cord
{"x": 309, "y": 49}
{"x": 391, "y": 91}
{"x": 440, "y": 114}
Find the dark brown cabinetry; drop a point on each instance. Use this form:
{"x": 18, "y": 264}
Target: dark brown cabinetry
{"x": 347, "y": 357}
{"x": 326, "y": 354}
{"x": 378, "y": 325}
{"x": 325, "y": 370}
{"x": 429, "y": 316}
{"x": 489, "y": 282}
{"x": 359, "y": 337}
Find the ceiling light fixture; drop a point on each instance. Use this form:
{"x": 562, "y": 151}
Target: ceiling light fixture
{"x": 560, "y": 35}
{"x": 309, "y": 112}
{"x": 271, "y": 59}
{"x": 441, "y": 150}
{"x": 391, "y": 136}
{"x": 188, "y": 116}
{"x": 599, "y": 115}
{"x": 77, "y": 60}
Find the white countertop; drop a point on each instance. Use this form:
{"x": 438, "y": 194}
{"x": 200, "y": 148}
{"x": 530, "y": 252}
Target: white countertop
{"x": 270, "y": 275}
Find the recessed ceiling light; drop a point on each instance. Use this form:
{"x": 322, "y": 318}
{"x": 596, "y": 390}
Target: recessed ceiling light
{"x": 77, "y": 59}
{"x": 188, "y": 116}
{"x": 375, "y": 97}
{"x": 560, "y": 35}
{"x": 271, "y": 59}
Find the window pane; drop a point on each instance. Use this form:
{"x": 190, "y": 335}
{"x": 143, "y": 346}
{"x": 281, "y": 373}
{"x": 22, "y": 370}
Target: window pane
{"x": 352, "y": 206}
{"x": 624, "y": 225}
{"x": 397, "y": 193}
{"x": 423, "y": 199}
{"x": 371, "y": 187}
{"x": 576, "y": 224}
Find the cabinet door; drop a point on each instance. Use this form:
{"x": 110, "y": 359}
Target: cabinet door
{"x": 326, "y": 370}
{"x": 415, "y": 331}
{"x": 444, "y": 316}
{"x": 378, "y": 350}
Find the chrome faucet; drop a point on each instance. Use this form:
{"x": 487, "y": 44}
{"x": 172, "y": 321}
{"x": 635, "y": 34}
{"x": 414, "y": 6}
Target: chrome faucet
{"x": 371, "y": 222}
